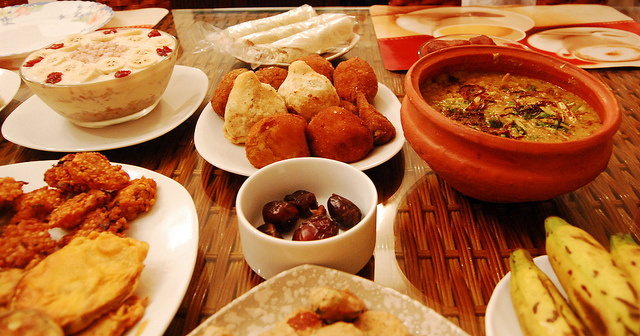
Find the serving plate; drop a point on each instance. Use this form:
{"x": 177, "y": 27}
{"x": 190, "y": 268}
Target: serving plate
{"x": 500, "y": 318}
{"x": 9, "y": 85}
{"x": 220, "y": 152}
{"x": 170, "y": 228}
{"x": 263, "y": 306}
{"x": 34, "y": 125}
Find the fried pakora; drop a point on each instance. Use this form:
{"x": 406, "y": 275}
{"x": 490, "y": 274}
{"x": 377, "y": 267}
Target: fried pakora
{"x": 98, "y": 220}
{"x": 382, "y": 129}
{"x": 72, "y": 212}
{"x": 36, "y": 204}
{"x": 354, "y": 75}
{"x": 24, "y": 242}
{"x": 276, "y": 138}
{"x": 338, "y": 134}
{"x": 319, "y": 64}
{"x": 272, "y": 75}
{"x": 10, "y": 189}
{"x": 222, "y": 91}
{"x": 136, "y": 198}
{"x": 81, "y": 172}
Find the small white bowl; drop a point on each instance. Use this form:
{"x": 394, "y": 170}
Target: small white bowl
{"x": 349, "y": 251}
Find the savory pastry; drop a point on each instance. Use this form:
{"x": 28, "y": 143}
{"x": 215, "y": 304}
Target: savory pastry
{"x": 335, "y": 305}
{"x": 307, "y": 92}
{"x": 380, "y": 323}
{"x": 221, "y": 94}
{"x": 272, "y": 75}
{"x": 382, "y": 129}
{"x": 275, "y": 138}
{"x": 319, "y": 64}
{"x": 352, "y": 75}
{"x": 84, "y": 280}
{"x": 338, "y": 134}
{"x": 249, "y": 101}
{"x": 9, "y": 278}
{"x": 28, "y": 322}
{"x": 118, "y": 321}
{"x": 85, "y": 171}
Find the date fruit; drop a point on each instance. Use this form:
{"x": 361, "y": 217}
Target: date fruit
{"x": 343, "y": 211}
{"x": 303, "y": 200}
{"x": 282, "y": 214}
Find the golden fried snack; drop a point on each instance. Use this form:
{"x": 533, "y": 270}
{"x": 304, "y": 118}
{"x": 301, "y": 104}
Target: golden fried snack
{"x": 134, "y": 199}
{"x": 338, "y": 134}
{"x": 221, "y": 93}
{"x": 28, "y": 322}
{"x": 10, "y": 189}
{"x": 349, "y": 106}
{"x": 72, "y": 212}
{"x": 335, "y": 305}
{"x": 352, "y": 75}
{"x": 9, "y": 278}
{"x": 25, "y": 242}
{"x": 382, "y": 129}
{"x": 36, "y": 204}
{"x": 249, "y": 101}
{"x": 307, "y": 92}
{"x": 84, "y": 280}
{"x": 380, "y": 323}
{"x": 118, "y": 321}
{"x": 98, "y": 220}
{"x": 272, "y": 75}
{"x": 276, "y": 138}
{"x": 319, "y": 64}
{"x": 85, "y": 171}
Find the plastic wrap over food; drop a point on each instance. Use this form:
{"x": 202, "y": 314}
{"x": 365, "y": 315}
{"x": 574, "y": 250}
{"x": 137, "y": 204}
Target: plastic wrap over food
{"x": 277, "y": 33}
{"x": 301, "y": 13}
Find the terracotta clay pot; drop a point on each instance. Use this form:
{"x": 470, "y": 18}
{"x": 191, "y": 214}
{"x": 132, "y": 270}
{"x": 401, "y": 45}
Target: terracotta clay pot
{"x": 495, "y": 169}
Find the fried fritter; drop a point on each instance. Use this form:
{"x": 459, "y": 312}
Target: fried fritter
{"x": 10, "y": 189}
{"x": 118, "y": 321}
{"x": 134, "y": 199}
{"x": 338, "y": 134}
{"x": 84, "y": 280}
{"x": 276, "y": 138}
{"x": 319, "y": 64}
{"x": 9, "y": 278}
{"x": 96, "y": 221}
{"x": 382, "y": 129}
{"x": 353, "y": 75}
{"x": 36, "y": 204}
{"x": 25, "y": 242}
{"x": 72, "y": 212}
{"x": 221, "y": 94}
{"x": 272, "y": 75}
{"x": 81, "y": 172}
{"x": 28, "y": 322}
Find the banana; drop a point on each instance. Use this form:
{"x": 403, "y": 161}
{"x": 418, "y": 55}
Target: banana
{"x": 626, "y": 253}
{"x": 53, "y": 59}
{"x": 83, "y": 73}
{"x": 141, "y": 61}
{"x": 599, "y": 292}
{"x": 110, "y": 64}
{"x": 539, "y": 306}
{"x": 75, "y": 38}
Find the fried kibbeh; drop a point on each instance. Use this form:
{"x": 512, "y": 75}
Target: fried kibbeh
{"x": 319, "y": 64}
{"x": 119, "y": 320}
{"x": 28, "y": 322}
{"x": 221, "y": 93}
{"x": 338, "y": 134}
{"x": 249, "y": 101}
{"x": 84, "y": 280}
{"x": 272, "y": 75}
{"x": 275, "y": 138}
{"x": 85, "y": 171}
{"x": 382, "y": 129}
{"x": 353, "y": 75}
{"x": 307, "y": 92}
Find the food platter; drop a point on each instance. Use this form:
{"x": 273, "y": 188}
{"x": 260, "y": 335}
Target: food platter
{"x": 266, "y": 304}
{"x": 220, "y": 152}
{"x": 34, "y": 125}
{"x": 500, "y": 318}
{"x": 170, "y": 228}
{"x": 9, "y": 85}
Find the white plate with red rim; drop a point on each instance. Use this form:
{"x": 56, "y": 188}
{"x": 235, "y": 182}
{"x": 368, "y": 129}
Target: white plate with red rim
{"x": 171, "y": 230}
{"x": 34, "y": 125}
{"x": 220, "y": 152}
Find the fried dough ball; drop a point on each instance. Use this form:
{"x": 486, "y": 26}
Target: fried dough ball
{"x": 319, "y": 64}
{"x": 276, "y": 138}
{"x": 380, "y": 323}
{"x": 36, "y": 204}
{"x": 136, "y": 198}
{"x": 307, "y": 92}
{"x": 338, "y": 134}
{"x": 382, "y": 129}
{"x": 85, "y": 171}
{"x": 10, "y": 189}
{"x": 272, "y": 75}
{"x": 221, "y": 94}
{"x": 335, "y": 305}
{"x": 71, "y": 213}
{"x": 352, "y": 75}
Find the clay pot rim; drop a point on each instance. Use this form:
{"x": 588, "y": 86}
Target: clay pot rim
{"x": 611, "y": 115}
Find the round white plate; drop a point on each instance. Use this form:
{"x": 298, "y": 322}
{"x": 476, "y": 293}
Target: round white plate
{"x": 500, "y": 318}
{"x": 170, "y": 228}
{"x": 220, "y": 152}
{"x": 26, "y": 28}
{"x": 34, "y": 125}
{"x": 9, "y": 85}
{"x": 263, "y": 306}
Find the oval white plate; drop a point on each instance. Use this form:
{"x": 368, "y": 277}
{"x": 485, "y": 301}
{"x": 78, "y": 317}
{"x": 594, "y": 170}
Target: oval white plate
{"x": 34, "y": 125}
{"x": 9, "y": 85}
{"x": 220, "y": 152}
{"x": 263, "y": 306}
{"x": 500, "y": 318}
{"x": 170, "y": 228}
{"x": 25, "y": 28}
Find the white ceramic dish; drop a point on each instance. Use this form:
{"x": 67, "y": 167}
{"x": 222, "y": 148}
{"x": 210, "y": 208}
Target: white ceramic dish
{"x": 170, "y": 228}
{"x": 9, "y": 85}
{"x": 25, "y": 28}
{"x": 36, "y": 126}
{"x": 500, "y": 318}
{"x": 268, "y": 303}
{"x": 220, "y": 152}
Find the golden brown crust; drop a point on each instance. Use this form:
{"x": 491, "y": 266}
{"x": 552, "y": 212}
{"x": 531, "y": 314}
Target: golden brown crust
{"x": 353, "y": 75}
{"x": 85, "y": 171}
{"x": 382, "y": 129}
{"x": 338, "y": 134}
{"x": 276, "y": 138}
{"x": 319, "y": 64}
{"x": 28, "y": 322}
{"x": 272, "y": 75}
{"x": 221, "y": 93}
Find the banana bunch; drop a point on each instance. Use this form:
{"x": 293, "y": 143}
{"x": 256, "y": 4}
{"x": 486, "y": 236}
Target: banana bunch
{"x": 600, "y": 293}
{"x": 626, "y": 253}
{"x": 539, "y": 306}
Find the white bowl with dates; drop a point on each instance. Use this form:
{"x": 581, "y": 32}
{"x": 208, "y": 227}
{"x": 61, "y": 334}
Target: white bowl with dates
{"x": 104, "y": 77}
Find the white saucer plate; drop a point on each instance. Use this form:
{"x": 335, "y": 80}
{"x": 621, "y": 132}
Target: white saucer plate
{"x": 9, "y": 85}
{"x": 171, "y": 230}
{"x": 500, "y": 318}
{"x": 220, "y": 152}
{"x": 34, "y": 125}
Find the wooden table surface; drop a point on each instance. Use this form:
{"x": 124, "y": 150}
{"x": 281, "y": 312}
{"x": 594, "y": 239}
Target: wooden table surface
{"x": 434, "y": 244}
